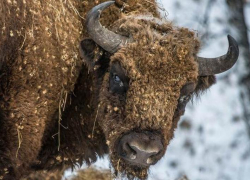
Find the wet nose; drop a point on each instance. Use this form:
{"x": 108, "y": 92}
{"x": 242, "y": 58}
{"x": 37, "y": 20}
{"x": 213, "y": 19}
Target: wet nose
{"x": 141, "y": 149}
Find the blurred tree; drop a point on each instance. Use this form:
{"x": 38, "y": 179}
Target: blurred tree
{"x": 237, "y": 20}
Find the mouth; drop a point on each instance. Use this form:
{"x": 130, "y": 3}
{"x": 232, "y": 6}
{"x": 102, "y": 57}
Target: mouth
{"x": 124, "y": 168}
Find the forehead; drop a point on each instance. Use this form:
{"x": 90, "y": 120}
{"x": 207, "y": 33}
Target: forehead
{"x": 165, "y": 58}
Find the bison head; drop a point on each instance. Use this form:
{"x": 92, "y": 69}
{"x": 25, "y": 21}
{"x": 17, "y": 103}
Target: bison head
{"x": 146, "y": 72}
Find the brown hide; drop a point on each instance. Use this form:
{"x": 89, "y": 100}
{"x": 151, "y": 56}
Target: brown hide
{"x": 50, "y": 101}
{"x": 39, "y": 56}
{"x": 159, "y": 62}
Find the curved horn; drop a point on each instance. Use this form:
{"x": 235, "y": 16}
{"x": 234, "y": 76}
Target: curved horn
{"x": 108, "y": 40}
{"x": 211, "y": 66}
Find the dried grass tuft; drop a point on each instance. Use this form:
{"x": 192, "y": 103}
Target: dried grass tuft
{"x": 93, "y": 174}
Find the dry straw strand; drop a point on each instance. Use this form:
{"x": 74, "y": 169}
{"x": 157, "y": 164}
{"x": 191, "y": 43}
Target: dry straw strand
{"x": 20, "y": 139}
{"x": 95, "y": 121}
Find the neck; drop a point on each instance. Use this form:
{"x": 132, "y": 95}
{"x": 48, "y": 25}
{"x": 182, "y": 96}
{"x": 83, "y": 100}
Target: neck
{"x": 80, "y": 137}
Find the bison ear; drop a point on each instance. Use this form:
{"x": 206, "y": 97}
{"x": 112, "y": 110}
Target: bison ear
{"x": 91, "y": 53}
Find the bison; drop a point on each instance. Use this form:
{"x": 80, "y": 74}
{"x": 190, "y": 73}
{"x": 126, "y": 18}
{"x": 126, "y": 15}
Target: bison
{"x": 122, "y": 93}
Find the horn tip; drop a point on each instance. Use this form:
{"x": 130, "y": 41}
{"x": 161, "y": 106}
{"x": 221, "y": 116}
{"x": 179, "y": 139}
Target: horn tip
{"x": 232, "y": 41}
{"x": 233, "y": 44}
{"x": 97, "y": 10}
{"x": 95, "y": 13}
{"x": 105, "y": 38}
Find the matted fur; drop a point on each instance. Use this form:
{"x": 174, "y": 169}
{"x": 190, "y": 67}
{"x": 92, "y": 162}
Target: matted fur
{"x": 39, "y": 58}
{"x": 159, "y": 62}
{"x": 55, "y": 112}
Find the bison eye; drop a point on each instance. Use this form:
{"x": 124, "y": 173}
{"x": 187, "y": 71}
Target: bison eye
{"x": 118, "y": 80}
{"x": 184, "y": 98}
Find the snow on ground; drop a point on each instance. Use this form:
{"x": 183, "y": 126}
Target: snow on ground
{"x": 214, "y": 145}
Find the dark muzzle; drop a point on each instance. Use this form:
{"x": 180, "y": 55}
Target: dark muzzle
{"x": 141, "y": 149}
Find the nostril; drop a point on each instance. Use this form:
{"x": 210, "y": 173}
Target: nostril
{"x": 144, "y": 148}
{"x": 153, "y": 158}
{"x": 130, "y": 148}
{"x": 149, "y": 161}
{"x": 129, "y": 152}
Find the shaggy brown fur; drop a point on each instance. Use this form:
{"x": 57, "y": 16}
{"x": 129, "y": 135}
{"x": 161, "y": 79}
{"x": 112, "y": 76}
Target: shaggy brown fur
{"x": 39, "y": 65}
{"x": 156, "y": 78}
{"x": 56, "y": 112}
{"x": 45, "y": 175}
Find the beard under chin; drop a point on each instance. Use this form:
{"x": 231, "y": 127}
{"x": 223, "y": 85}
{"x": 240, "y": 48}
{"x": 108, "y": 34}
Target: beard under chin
{"x": 124, "y": 169}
